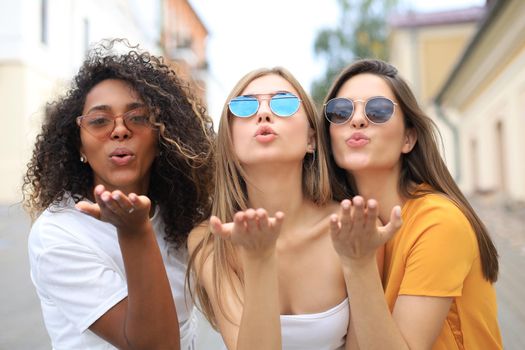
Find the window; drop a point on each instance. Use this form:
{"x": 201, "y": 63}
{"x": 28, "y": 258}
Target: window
{"x": 44, "y": 22}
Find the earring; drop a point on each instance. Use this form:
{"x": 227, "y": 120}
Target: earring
{"x": 83, "y": 159}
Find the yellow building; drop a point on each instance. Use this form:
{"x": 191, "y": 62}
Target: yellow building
{"x": 484, "y": 97}
{"x": 425, "y": 46}
{"x": 467, "y": 69}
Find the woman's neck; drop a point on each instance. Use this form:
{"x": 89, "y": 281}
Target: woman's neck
{"x": 277, "y": 188}
{"x": 381, "y": 186}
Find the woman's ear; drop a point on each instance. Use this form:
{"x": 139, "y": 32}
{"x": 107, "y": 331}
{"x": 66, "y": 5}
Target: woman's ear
{"x": 310, "y": 146}
{"x": 410, "y": 140}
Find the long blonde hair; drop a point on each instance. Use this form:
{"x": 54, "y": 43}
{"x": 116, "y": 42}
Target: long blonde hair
{"x": 422, "y": 165}
{"x": 230, "y": 195}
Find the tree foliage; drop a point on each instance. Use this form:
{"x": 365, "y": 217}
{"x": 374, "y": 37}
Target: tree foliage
{"x": 361, "y": 32}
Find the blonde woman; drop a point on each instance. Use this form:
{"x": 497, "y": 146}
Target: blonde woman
{"x": 267, "y": 276}
{"x": 437, "y": 290}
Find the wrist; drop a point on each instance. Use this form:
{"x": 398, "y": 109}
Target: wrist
{"x": 135, "y": 231}
{"x": 360, "y": 264}
{"x": 255, "y": 257}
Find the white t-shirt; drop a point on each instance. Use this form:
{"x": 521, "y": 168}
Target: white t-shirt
{"x": 78, "y": 272}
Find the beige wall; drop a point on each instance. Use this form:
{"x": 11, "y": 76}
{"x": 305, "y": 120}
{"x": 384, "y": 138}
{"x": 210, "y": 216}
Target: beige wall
{"x": 33, "y": 73}
{"x": 24, "y": 91}
{"x": 440, "y": 48}
{"x": 486, "y": 99}
{"x": 426, "y": 55}
{"x": 500, "y": 152}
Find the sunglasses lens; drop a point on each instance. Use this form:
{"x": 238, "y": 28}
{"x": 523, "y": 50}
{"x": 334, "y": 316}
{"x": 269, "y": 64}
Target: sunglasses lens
{"x": 339, "y": 110}
{"x": 379, "y": 109}
{"x": 243, "y": 106}
{"x": 284, "y": 104}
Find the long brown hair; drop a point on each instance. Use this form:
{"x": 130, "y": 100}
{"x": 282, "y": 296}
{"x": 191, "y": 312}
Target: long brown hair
{"x": 423, "y": 164}
{"x": 231, "y": 195}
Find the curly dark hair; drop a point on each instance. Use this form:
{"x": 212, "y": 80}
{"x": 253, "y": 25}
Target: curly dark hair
{"x": 181, "y": 176}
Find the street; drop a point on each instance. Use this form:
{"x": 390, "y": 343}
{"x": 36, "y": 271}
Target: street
{"x": 22, "y": 326}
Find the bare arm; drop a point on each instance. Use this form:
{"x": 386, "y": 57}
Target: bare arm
{"x": 255, "y": 321}
{"x": 416, "y": 321}
{"x": 351, "y": 340}
{"x": 147, "y": 317}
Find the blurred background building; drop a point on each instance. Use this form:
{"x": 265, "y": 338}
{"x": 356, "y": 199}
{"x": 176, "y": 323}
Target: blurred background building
{"x": 467, "y": 66}
{"x": 183, "y": 42}
{"x": 43, "y": 43}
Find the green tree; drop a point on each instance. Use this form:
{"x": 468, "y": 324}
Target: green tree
{"x": 360, "y": 33}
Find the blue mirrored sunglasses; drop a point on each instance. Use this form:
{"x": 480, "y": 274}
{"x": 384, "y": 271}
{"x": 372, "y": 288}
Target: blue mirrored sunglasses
{"x": 282, "y": 104}
{"x": 378, "y": 109}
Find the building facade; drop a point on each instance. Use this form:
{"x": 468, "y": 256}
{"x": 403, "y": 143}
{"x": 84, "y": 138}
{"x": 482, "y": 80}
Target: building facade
{"x": 466, "y": 67}
{"x": 484, "y": 97}
{"x": 43, "y": 43}
{"x": 183, "y": 40}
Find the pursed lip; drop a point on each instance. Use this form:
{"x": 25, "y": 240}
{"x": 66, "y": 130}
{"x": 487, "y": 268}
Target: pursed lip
{"x": 357, "y": 139}
{"x": 121, "y": 156}
{"x": 121, "y": 152}
{"x": 264, "y": 130}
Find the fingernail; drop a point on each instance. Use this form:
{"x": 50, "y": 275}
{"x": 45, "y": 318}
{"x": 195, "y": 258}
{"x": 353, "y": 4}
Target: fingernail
{"x": 397, "y": 211}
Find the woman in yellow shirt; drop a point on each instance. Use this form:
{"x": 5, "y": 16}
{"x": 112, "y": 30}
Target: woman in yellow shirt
{"x": 436, "y": 290}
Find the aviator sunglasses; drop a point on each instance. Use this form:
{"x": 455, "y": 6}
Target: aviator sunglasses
{"x": 377, "y": 109}
{"x": 282, "y": 104}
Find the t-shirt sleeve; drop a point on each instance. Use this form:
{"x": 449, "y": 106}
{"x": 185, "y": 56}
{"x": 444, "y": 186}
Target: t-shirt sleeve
{"x": 441, "y": 255}
{"x": 79, "y": 282}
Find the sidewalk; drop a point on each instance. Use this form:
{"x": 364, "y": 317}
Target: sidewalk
{"x": 21, "y": 323}
{"x": 506, "y": 224}
{"x": 22, "y": 326}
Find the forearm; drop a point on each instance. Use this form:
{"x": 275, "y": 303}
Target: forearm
{"x": 373, "y": 324}
{"x": 260, "y": 326}
{"x": 151, "y": 317}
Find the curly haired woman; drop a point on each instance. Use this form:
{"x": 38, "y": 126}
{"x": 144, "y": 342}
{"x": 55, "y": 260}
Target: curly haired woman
{"x": 120, "y": 173}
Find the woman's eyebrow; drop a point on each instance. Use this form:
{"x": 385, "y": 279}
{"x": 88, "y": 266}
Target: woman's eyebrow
{"x": 107, "y": 108}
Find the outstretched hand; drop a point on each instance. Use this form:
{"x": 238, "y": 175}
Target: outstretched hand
{"x": 253, "y": 230}
{"x": 356, "y": 236}
{"x": 125, "y": 212}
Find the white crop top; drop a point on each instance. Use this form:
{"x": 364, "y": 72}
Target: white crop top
{"x": 322, "y": 331}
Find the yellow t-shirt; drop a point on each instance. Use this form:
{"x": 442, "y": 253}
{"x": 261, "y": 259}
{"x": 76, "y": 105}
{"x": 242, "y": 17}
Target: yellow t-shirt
{"x": 435, "y": 253}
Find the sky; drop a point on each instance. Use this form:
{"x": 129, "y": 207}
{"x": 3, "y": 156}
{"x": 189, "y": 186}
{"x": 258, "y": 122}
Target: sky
{"x": 245, "y": 35}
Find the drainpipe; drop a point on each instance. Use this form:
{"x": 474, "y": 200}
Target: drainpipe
{"x": 455, "y": 135}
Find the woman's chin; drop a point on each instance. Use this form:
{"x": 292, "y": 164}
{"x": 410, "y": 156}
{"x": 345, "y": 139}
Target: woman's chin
{"x": 355, "y": 163}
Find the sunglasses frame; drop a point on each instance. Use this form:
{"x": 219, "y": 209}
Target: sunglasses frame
{"x": 259, "y": 99}
{"x": 123, "y": 116}
{"x": 353, "y": 102}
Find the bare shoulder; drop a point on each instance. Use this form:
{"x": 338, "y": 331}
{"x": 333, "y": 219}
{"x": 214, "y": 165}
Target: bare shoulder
{"x": 197, "y": 235}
